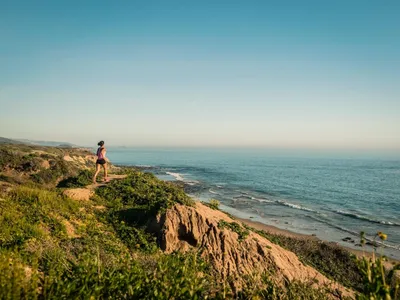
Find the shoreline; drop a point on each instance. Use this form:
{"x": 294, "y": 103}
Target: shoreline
{"x": 363, "y": 252}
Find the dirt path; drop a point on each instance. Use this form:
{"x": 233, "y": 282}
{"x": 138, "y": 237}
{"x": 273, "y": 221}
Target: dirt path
{"x": 84, "y": 194}
{"x": 110, "y": 178}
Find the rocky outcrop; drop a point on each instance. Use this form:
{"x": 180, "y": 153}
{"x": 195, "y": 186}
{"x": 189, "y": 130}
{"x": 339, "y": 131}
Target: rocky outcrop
{"x": 185, "y": 228}
{"x": 80, "y": 194}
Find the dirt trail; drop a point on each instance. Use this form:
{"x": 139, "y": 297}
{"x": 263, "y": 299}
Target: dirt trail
{"x": 84, "y": 194}
{"x": 104, "y": 183}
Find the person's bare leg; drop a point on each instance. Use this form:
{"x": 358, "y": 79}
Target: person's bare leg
{"x": 97, "y": 172}
{"x": 105, "y": 172}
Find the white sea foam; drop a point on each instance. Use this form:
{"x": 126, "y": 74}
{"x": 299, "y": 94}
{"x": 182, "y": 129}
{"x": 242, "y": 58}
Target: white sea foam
{"x": 296, "y": 206}
{"x": 263, "y": 200}
{"x": 177, "y": 176}
{"x": 192, "y": 182}
{"x": 212, "y": 192}
{"x": 365, "y": 218}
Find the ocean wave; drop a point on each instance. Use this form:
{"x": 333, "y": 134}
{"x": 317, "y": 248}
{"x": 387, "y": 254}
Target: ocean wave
{"x": 295, "y": 206}
{"x": 177, "y": 176}
{"x": 247, "y": 196}
{"x": 212, "y": 192}
{"x": 365, "y": 218}
{"x": 263, "y": 200}
{"x": 192, "y": 182}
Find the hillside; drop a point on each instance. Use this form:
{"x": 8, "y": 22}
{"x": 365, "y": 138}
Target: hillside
{"x": 9, "y": 141}
{"x": 138, "y": 237}
{"x": 36, "y": 143}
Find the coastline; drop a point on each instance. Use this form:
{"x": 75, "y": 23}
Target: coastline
{"x": 363, "y": 252}
{"x": 193, "y": 190}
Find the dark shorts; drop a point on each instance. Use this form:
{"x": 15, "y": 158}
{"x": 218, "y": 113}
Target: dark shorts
{"x": 101, "y": 161}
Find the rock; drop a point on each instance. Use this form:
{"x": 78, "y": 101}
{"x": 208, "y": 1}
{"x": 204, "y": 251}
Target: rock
{"x": 68, "y": 158}
{"x": 374, "y": 244}
{"x": 183, "y": 228}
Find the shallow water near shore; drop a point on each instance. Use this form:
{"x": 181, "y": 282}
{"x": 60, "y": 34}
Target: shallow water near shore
{"x": 332, "y": 197}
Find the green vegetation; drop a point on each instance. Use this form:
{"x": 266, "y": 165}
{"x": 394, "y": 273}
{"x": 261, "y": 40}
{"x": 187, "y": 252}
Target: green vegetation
{"x": 58, "y": 170}
{"x": 214, "y": 204}
{"x": 235, "y": 227}
{"x": 53, "y": 247}
{"x": 84, "y": 178}
{"x": 331, "y": 260}
{"x": 376, "y": 282}
{"x": 143, "y": 191}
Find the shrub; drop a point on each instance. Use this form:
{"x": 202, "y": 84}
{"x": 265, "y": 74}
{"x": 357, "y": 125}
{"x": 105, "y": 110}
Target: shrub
{"x": 377, "y": 284}
{"x": 58, "y": 170}
{"x": 143, "y": 190}
{"x": 84, "y": 178}
{"x": 214, "y": 204}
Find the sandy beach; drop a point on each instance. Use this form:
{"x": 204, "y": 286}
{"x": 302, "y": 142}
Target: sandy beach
{"x": 278, "y": 231}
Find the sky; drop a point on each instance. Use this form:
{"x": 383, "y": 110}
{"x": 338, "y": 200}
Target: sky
{"x": 277, "y": 74}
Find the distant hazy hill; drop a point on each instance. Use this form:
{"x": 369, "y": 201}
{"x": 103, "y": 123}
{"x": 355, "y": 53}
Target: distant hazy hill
{"x": 38, "y": 143}
{"x": 9, "y": 141}
{"x": 46, "y": 143}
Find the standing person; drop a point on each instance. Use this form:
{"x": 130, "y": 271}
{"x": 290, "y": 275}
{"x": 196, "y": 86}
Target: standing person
{"x": 101, "y": 161}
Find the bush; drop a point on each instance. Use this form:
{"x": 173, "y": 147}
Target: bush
{"x": 377, "y": 284}
{"x": 143, "y": 190}
{"x": 58, "y": 170}
{"x": 84, "y": 178}
{"x": 214, "y": 204}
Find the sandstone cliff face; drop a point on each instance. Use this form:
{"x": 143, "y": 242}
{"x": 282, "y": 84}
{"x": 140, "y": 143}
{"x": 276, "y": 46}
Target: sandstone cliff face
{"x": 185, "y": 228}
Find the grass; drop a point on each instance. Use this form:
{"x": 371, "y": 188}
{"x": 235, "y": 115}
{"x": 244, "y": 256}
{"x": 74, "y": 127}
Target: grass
{"x": 332, "y": 261}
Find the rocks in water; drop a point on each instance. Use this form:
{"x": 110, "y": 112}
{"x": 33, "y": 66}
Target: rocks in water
{"x": 373, "y": 243}
{"x": 348, "y": 239}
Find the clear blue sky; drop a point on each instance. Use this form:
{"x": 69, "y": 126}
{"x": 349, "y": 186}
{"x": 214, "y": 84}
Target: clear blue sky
{"x": 309, "y": 74}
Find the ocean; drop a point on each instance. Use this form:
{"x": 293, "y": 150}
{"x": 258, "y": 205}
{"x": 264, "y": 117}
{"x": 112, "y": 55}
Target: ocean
{"x": 332, "y": 197}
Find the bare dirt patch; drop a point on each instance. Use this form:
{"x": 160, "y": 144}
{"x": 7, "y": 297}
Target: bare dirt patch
{"x": 79, "y": 194}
